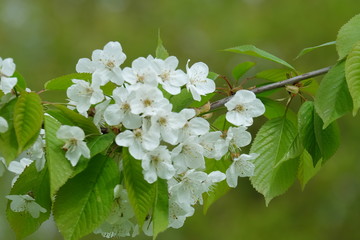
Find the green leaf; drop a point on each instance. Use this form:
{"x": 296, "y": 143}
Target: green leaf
{"x": 28, "y": 118}
{"x": 274, "y": 75}
{"x": 220, "y": 123}
{"x": 319, "y": 142}
{"x": 203, "y": 101}
{"x": 352, "y": 72}
{"x": 60, "y": 169}
{"x": 161, "y": 52}
{"x": 348, "y": 36}
{"x": 35, "y": 184}
{"x": 21, "y": 84}
{"x": 333, "y": 99}
{"x": 72, "y": 118}
{"x": 64, "y": 82}
{"x": 306, "y": 168}
{"x": 221, "y": 188}
{"x": 310, "y": 49}
{"x": 85, "y": 201}
{"x": 182, "y": 100}
{"x": 141, "y": 193}
{"x": 241, "y": 69}
{"x": 160, "y": 215}
{"x": 254, "y": 51}
{"x": 213, "y": 75}
{"x": 8, "y": 141}
{"x": 272, "y": 143}
{"x": 274, "y": 109}
{"x": 97, "y": 144}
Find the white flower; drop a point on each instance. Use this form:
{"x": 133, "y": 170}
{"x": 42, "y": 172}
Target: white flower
{"x": 120, "y": 112}
{"x": 34, "y": 153}
{"x": 194, "y": 126}
{"x": 148, "y": 101}
{"x": 99, "y": 112}
{"x": 157, "y": 163}
{"x": 7, "y": 69}
{"x": 238, "y": 136}
{"x": 198, "y": 83}
{"x": 242, "y": 107}
{"x": 83, "y": 95}
{"x": 25, "y": 203}
{"x": 171, "y": 79}
{"x": 140, "y": 73}
{"x": 3, "y": 125}
{"x": 188, "y": 154}
{"x": 241, "y": 167}
{"x": 214, "y": 145}
{"x": 167, "y": 124}
{"x": 106, "y": 62}
{"x": 138, "y": 142}
{"x": 74, "y": 145}
{"x": 178, "y": 213}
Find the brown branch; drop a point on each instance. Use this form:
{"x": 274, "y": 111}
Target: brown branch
{"x": 271, "y": 86}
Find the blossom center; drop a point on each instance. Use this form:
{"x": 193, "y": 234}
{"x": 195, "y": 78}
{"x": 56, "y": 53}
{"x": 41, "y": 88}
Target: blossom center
{"x": 239, "y": 108}
{"x": 110, "y": 64}
{"x": 165, "y": 76}
{"x": 147, "y": 102}
{"x": 162, "y": 121}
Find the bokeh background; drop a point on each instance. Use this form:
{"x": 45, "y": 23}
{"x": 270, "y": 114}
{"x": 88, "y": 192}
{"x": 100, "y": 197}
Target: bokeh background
{"x": 47, "y": 37}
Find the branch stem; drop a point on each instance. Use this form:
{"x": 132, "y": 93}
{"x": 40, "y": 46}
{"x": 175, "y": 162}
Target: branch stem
{"x": 271, "y": 86}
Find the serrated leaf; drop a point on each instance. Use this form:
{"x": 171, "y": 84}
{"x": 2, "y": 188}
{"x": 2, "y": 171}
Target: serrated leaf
{"x": 28, "y": 118}
{"x": 85, "y": 201}
{"x": 221, "y": 188}
{"x": 161, "y": 52}
{"x": 352, "y": 72}
{"x": 37, "y": 184}
{"x": 333, "y": 99}
{"x": 319, "y": 142}
{"x": 272, "y": 143}
{"x": 64, "y": 82}
{"x": 8, "y": 141}
{"x": 97, "y": 144}
{"x": 306, "y": 169}
{"x": 310, "y": 49}
{"x": 60, "y": 169}
{"x": 72, "y": 118}
{"x": 348, "y": 36}
{"x": 254, "y": 51}
{"x": 141, "y": 193}
{"x": 241, "y": 69}
{"x": 274, "y": 75}
{"x": 160, "y": 216}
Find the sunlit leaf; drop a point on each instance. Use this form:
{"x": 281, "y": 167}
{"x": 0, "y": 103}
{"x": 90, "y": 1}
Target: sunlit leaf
{"x": 161, "y": 51}
{"x": 85, "y": 201}
{"x": 348, "y": 36}
{"x": 254, "y": 51}
{"x": 64, "y": 82}
{"x": 306, "y": 169}
{"x": 352, "y": 72}
{"x": 160, "y": 216}
{"x": 241, "y": 69}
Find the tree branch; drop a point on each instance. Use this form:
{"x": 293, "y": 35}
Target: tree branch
{"x": 271, "y": 86}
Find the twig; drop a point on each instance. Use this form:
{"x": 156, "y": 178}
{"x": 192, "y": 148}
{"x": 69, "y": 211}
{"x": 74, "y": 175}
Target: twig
{"x": 271, "y": 86}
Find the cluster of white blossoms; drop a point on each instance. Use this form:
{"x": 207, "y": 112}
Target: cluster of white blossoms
{"x": 170, "y": 145}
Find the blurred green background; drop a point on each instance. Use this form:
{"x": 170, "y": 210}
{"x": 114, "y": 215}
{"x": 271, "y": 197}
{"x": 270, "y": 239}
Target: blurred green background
{"x": 47, "y": 37}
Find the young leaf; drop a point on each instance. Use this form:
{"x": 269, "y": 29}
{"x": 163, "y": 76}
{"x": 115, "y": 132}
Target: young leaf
{"x": 274, "y": 75}
{"x": 85, "y": 201}
{"x": 221, "y": 188}
{"x": 352, "y": 71}
{"x": 306, "y": 168}
{"x": 272, "y": 143}
{"x": 64, "y": 82}
{"x": 241, "y": 69}
{"x": 35, "y": 184}
{"x": 60, "y": 169}
{"x": 160, "y": 214}
{"x": 254, "y": 51}
{"x": 348, "y": 36}
{"x": 8, "y": 141}
{"x": 28, "y": 118}
{"x": 69, "y": 117}
{"x": 333, "y": 99}
{"x": 161, "y": 52}
{"x": 310, "y": 49}
{"x": 141, "y": 193}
